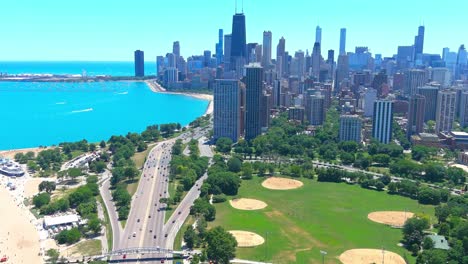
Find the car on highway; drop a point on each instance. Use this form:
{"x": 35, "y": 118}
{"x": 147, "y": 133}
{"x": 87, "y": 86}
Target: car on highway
{"x": 165, "y": 235}
{"x": 154, "y": 237}
{"x": 138, "y": 220}
{"x": 134, "y": 234}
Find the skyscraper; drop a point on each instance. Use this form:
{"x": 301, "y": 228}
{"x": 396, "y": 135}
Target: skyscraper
{"x": 176, "y": 49}
{"x": 464, "y": 109}
{"x": 316, "y": 60}
{"x": 461, "y": 64}
{"x": 267, "y": 39}
{"x": 318, "y": 35}
{"x": 430, "y": 94}
{"x": 414, "y": 78}
{"x": 369, "y": 97}
{"x": 219, "y": 47}
{"x": 238, "y": 42}
{"x": 446, "y": 107}
{"x": 139, "y": 63}
{"x": 417, "y": 104}
{"x": 206, "y": 58}
{"x": 227, "y": 106}
{"x": 342, "y": 71}
{"x": 343, "y": 41}
{"x": 350, "y": 128}
{"x": 227, "y": 51}
{"x": 254, "y": 85}
{"x": 419, "y": 44}
{"x": 331, "y": 63}
{"x": 382, "y": 121}
{"x": 281, "y": 57}
{"x": 315, "y": 109}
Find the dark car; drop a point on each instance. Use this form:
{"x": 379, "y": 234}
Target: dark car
{"x": 138, "y": 220}
{"x": 165, "y": 235}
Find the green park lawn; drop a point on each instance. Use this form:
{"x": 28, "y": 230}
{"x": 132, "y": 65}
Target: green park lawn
{"x": 318, "y": 216}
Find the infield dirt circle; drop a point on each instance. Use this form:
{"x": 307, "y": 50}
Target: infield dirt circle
{"x": 369, "y": 256}
{"x": 392, "y": 218}
{"x": 247, "y": 204}
{"x": 247, "y": 239}
{"x": 276, "y": 183}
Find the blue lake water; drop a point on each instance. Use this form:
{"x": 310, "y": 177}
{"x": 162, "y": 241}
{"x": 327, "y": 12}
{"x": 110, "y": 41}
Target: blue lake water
{"x": 33, "y": 114}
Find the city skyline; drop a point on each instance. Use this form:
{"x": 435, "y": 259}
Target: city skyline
{"x": 98, "y": 35}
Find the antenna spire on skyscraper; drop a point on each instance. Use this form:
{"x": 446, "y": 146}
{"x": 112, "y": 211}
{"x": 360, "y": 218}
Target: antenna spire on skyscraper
{"x": 242, "y": 6}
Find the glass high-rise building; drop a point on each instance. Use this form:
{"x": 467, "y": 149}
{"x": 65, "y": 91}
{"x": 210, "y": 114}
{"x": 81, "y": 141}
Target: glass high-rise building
{"x": 139, "y": 63}
{"x": 266, "y": 56}
{"x": 343, "y": 41}
{"x": 238, "y": 41}
{"x": 417, "y": 104}
{"x": 350, "y": 128}
{"x": 419, "y": 43}
{"x": 254, "y": 87}
{"x": 227, "y": 107}
{"x": 430, "y": 94}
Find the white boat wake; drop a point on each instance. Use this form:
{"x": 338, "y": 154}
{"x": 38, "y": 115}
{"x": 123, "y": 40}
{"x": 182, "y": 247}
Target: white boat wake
{"x": 82, "y": 111}
{"x": 60, "y": 103}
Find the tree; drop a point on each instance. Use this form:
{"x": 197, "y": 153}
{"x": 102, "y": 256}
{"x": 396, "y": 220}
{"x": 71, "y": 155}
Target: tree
{"x": 221, "y": 245}
{"x": 68, "y": 236}
{"x": 413, "y": 231}
{"x": 432, "y": 256}
{"x": 347, "y": 158}
{"x": 41, "y": 199}
{"x": 223, "y": 144}
{"x": 53, "y": 255}
{"x": 247, "y": 170}
{"x": 434, "y": 172}
{"x": 427, "y": 243}
{"x": 94, "y": 225}
{"x": 234, "y": 164}
{"x": 102, "y": 144}
{"x": 429, "y": 196}
{"x": 190, "y": 237}
{"x": 47, "y": 186}
{"x": 442, "y": 212}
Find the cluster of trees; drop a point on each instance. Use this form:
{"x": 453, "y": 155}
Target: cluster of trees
{"x": 413, "y": 233}
{"x": 407, "y": 188}
{"x": 201, "y": 121}
{"x": 167, "y": 130}
{"x": 453, "y": 224}
{"x": 186, "y": 169}
{"x": 122, "y": 200}
{"x": 429, "y": 172}
{"x": 202, "y": 208}
{"x": 83, "y": 200}
{"x": 24, "y": 158}
{"x": 219, "y": 245}
{"x": 220, "y": 179}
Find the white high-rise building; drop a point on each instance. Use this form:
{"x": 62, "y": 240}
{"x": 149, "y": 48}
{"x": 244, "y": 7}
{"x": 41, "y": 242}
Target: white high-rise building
{"x": 368, "y": 98}
{"x": 382, "y": 121}
{"x": 445, "y": 113}
{"x": 442, "y": 76}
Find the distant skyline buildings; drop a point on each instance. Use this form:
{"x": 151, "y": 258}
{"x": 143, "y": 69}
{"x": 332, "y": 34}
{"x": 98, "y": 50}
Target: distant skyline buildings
{"x": 318, "y": 35}
{"x": 91, "y": 44}
{"x": 139, "y": 63}
{"x": 342, "y": 41}
{"x": 267, "y": 42}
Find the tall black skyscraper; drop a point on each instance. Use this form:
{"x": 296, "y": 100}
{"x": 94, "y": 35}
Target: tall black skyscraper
{"x": 139, "y": 63}
{"x": 238, "y": 41}
{"x": 419, "y": 43}
{"x": 254, "y": 85}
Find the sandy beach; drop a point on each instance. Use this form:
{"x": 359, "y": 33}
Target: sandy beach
{"x": 155, "y": 87}
{"x": 10, "y": 154}
{"x": 19, "y": 239}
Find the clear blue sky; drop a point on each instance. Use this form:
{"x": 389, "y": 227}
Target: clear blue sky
{"x": 105, "y": 30}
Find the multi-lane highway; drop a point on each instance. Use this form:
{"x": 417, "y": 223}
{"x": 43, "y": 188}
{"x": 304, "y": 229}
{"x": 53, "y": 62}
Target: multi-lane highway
{"x": 145, "y": 226}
